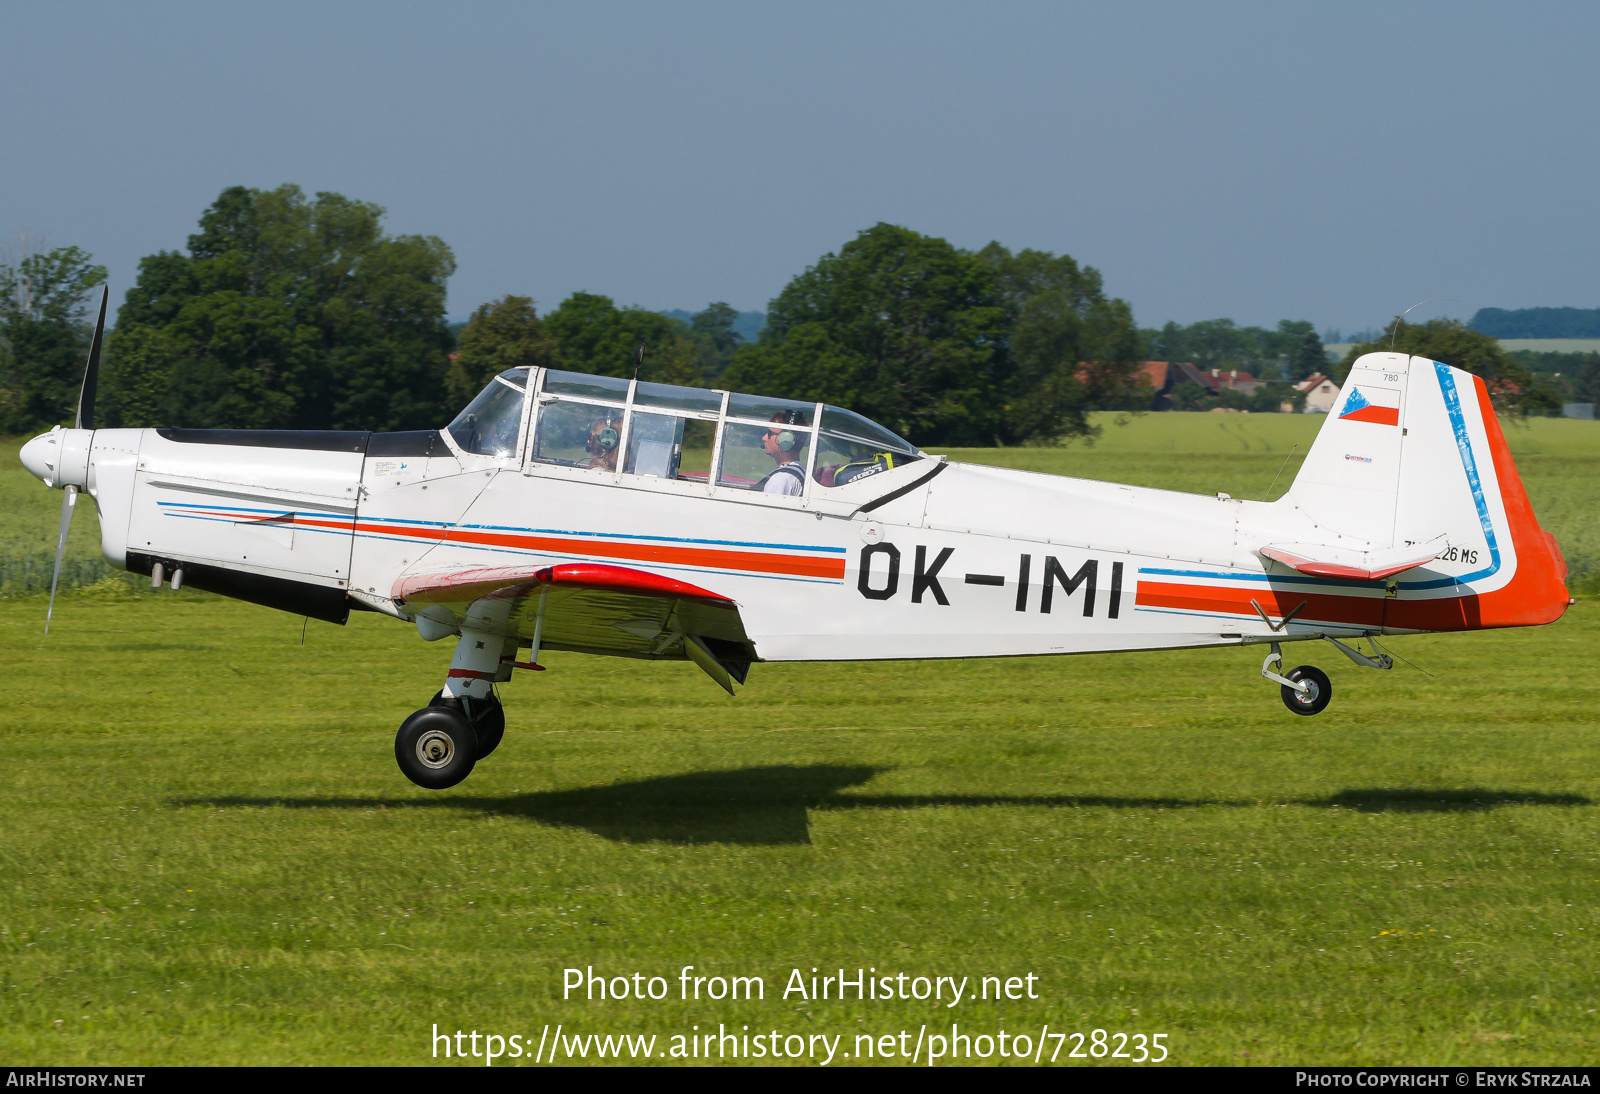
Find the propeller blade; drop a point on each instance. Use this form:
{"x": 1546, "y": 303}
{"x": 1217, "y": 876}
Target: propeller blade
{"x": 68, "y": 503}
{"x": 91, "y": 372}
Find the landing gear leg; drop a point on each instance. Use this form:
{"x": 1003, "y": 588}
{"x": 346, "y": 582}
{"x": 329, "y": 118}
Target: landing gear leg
{"x": 487, "y": 716}
{"x": 438, "y": 745}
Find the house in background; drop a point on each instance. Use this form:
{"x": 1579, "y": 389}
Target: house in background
{"x": 1321, "y": 393}
{"x": 1158, "y": 374}
{"x": 1163, "y": 376}
{"x": 1234, "y": 380}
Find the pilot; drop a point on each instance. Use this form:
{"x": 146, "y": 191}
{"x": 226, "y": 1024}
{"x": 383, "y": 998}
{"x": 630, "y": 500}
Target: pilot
{"x": 783, "y": 444}
{"x": 602, "y": 444}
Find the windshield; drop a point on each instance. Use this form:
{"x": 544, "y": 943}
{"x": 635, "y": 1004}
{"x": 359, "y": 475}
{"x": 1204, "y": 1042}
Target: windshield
{"x": 850, "y": 424}
{"x": 851, "y": 447}
{"x": 489, "y": 425}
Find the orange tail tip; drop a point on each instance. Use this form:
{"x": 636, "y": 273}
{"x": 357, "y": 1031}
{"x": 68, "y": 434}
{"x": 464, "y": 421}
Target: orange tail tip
{"x": 1555, "y": 551}
{"x": 1537, "y": 593}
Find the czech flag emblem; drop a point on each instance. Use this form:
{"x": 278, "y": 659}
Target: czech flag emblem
{"x": 1380, "y": 405}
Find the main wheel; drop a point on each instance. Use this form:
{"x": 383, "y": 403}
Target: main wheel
{"x": 488, "y": 718}
{"x": 1318, "y": 693}
{"x": 436, "y": 747}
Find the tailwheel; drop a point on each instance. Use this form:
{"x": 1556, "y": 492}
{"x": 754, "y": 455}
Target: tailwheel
{"x": 488, "y": 718}
{"x": 1317, "y": 694}
{"x": 436, "y": 747}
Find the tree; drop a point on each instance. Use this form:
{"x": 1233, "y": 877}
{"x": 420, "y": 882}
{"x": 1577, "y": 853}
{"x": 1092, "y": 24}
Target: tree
{"x": 1188, "y": 396}
{"x": 136, "y": 377}
{"x": 1513, "y": 387}
{"x": 899, "y": 326}
{"x": 713, "y": 329}
{"x": 44, "y": 336}
{"x": 1301, "y": 349}
{"x": 597, "y": 337}
{"x": 1071, "y": 350}
{"x": 506, "y": 333}
{"x": 1220, "y": 344}
{"x": 1586, "y": 384}
{"x": 289, "y": 313}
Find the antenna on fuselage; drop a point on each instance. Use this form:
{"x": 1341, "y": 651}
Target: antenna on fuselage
{"x": 1281, "y": 466}
{"x": 638, "y": 360}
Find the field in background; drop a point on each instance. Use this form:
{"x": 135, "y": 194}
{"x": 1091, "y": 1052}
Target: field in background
{"x": 210, "y": 856}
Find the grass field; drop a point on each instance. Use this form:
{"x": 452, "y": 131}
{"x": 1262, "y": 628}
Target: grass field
{"x": 199, "y": 806}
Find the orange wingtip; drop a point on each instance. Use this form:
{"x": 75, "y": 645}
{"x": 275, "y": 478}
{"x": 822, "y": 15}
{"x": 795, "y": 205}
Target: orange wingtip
{"x": 623, "y": 579}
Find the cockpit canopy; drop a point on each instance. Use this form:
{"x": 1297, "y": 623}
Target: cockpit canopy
{"x": 605, "y": 423}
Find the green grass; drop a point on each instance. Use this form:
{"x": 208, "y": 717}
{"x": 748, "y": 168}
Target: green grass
{"x": 210, "y": 857}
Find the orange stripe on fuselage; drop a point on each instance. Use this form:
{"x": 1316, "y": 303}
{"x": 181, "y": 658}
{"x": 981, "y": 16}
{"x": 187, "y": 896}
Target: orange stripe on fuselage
{"x": 707, "y": 557}
{"x": 1360, "y": 611}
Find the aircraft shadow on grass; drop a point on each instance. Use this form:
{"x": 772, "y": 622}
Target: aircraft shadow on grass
{"x": 1467, "y": 800}
{"x": 771, "y": 805}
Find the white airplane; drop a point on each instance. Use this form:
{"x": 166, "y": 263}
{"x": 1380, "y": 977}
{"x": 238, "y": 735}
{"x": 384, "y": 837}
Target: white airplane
{"x": 560, "y": 511}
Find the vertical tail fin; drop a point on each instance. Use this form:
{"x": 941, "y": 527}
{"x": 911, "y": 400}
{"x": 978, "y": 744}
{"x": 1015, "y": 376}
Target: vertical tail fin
{"x": 1350, "y": 481}
{"x": 1412, "y": 453}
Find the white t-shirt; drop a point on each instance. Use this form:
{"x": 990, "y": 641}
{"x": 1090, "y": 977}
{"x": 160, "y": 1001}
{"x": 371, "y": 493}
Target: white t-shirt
{"x": 787, "y": 479}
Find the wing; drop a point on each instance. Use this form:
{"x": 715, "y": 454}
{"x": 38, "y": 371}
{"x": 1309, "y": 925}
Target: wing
{"x": 591, "y": 608}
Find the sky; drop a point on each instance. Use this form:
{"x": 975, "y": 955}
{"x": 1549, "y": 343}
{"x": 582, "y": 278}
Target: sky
{"x": 1331, "y": 162}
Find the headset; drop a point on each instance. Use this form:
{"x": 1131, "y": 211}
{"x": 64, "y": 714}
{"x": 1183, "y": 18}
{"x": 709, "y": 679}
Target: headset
{"x": 604, "y": 441}
{"x": 786, "y": 440}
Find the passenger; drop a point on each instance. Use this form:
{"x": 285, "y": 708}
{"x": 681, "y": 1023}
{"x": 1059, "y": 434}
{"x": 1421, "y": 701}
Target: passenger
{"x": 784, "y": 445}
{"x": 602, "y": 444}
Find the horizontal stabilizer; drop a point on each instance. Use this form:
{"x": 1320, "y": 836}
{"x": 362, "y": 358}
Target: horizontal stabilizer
{"x": 1323, "y": 561}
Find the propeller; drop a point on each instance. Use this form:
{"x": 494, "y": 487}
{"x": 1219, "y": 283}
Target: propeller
{"x": 91, "y": 371}
{"x": 83, "y": 420}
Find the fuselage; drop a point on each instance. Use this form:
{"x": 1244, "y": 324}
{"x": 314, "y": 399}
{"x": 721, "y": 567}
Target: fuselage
{"x": 926, "y": 559}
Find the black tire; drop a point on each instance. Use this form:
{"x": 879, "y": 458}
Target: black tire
{"x": 488, "y": 718}
{"x": 489, "y": 723}
{"x": 1316, "y": 700}
{"x": 436, "y": 747}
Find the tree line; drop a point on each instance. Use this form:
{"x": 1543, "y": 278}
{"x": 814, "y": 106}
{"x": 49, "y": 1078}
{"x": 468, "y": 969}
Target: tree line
{"x": 1290, "y": 353}
{"x": 1537, "y": 322}
{"x": 1570, "y": 377}
{"x": 285, "y": 311}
